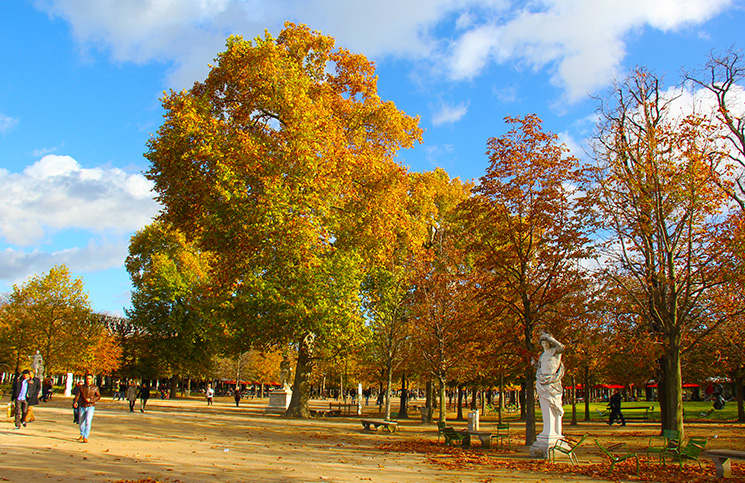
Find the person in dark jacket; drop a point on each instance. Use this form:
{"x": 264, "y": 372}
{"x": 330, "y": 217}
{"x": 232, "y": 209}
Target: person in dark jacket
{"x": 615, "y": 409}
{"x": 144, "y": 395}
{"x": 32, "y": 396}
{"x": 19, "y": 396}
{"x": 85, "y": 401}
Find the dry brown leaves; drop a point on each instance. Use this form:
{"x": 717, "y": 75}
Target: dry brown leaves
{"x": 649, "y": 470}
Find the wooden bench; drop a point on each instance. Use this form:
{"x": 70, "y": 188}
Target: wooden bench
{"x": 369, "y": 424}
{"x": 721, "y": 459}
{"x": 346, "y": 409}
{"x": 314, "y": 413}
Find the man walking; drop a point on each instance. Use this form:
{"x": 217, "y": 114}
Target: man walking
{"x": 85, "y": 402}
{"x": 615, "y": 409}
{"x": 20, "y": 398}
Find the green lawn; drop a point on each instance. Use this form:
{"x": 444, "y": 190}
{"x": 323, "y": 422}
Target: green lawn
{"x": 693, "y": 410}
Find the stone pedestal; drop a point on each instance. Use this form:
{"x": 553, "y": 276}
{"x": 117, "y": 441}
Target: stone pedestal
{"x": 543, "y": 442}
{"x": 279, "y": 401}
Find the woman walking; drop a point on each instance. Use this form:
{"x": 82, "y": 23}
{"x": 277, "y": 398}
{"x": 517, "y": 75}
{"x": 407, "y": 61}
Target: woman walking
{"x": 132, "y": 396}
{"x": 144, "y": 395}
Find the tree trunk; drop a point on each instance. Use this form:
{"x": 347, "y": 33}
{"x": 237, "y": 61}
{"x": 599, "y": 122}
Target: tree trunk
{"x": 443, "y": 403}
{"x": 174, "y": 386}
{"x": 737, "y": 378}
{"x": 402, "y": 412}
{"x": 429, "y": 403}
{"x": 501, "y": 396}
{"x": 672, "y": 385}
{"x": 389, "y": 370}
{"x": 587, "y": 392}
{"x": 474, "y": 405}
{"x": 459, "y": 417}
{"x": 300, "y": 391}
{"x": 530, "y": 433}
{"x": 574, "y": 402}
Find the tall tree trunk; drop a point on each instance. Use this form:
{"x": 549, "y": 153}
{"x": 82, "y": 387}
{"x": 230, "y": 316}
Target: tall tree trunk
{"x": 574, "y": 402}
{"x": 587, "y": 392}
{"x": 429, "y": 403}
{"x": 672, "y": 385}
{"x": 174, "y": 386}
{"x": 737, "y": 378}
{"x": 301, "y": 391}
{"x": 473, "y": 399}
{"x": 530, "y": 433}
{"x": 501, "y": 396}
{"x": 389, "y": 383}
{"x": 459, "y": 417}
{"x": 443, "y": 401}
{"x": 402, "y": 412}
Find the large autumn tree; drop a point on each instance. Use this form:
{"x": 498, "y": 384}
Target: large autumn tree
{"x": 657, "y": 197}
{"x": 281, "y": 163}
{"x": 50, "y": 313}
{"x": 529, "y": 237}
{"x": 171, "y": 279}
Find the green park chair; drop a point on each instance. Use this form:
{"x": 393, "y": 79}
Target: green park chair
{"x": 568, "y": 447}
{"x": 659, "y": 444}
{"x": 440, "y": 427}
{"x": 503, "y": 434}
{"x": 690, "y": 452}
{"x": 452, "y": 436}
{"x": 616, "y": 456}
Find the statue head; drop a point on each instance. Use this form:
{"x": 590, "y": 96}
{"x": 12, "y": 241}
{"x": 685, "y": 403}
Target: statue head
{"x": 546, "y": 340}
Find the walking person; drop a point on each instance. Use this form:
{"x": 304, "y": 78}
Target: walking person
{"x": 46, "y": 389}
{"x": 85, "y": 402}
{"x": 237, "y": 395}
{"x": 75, "y": 412}
{"x": 144, "y": 395}
{"x": 210, "y": 394}
{"x": 132, "y": 396}
{"x": 615, "y": 409}
{"x": 32, "y": 396}
{"x": 19, "y": 396}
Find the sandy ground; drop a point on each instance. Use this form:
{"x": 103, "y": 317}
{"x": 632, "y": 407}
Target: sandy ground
{"x": 186, "y": 441}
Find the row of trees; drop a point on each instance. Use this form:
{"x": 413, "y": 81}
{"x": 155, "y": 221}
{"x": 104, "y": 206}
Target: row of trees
{"x": 289, "y": 226}
{"x": 279, "y": 173}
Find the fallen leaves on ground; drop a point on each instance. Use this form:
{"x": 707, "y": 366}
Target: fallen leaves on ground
{"x": 454, "y": 458}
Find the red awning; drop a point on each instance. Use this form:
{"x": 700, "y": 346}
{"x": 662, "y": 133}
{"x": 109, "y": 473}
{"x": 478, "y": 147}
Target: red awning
{"x": 608, "y": 386}
{"x": 579, "y": 387}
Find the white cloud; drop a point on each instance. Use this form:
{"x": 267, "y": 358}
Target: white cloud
{"x": 18, "y": 265}
{"x": 7, "y": 123}
{"x": 582, "y": 42}
{"x": 56, "y": 193}
{"x": 449, "y": 114}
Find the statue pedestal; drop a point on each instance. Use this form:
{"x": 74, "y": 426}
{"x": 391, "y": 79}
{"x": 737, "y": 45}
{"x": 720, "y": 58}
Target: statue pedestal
{"x": 279, "y": 401}
{"x": 543, "y": 442}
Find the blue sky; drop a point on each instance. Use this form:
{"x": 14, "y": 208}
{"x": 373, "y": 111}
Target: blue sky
{"x": 80, "y": 84}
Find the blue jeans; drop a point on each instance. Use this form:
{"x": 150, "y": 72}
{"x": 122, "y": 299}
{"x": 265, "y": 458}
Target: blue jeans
{"x": 85, "y": 418}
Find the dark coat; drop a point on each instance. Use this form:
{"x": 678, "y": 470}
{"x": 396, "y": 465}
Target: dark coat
{"x": 144, "y": 393}
{"x": 34, "y": 387}
{"x": 16, "y": 390}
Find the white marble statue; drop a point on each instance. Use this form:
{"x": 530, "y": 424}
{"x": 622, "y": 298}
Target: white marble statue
{"x": 549, "y": 371}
